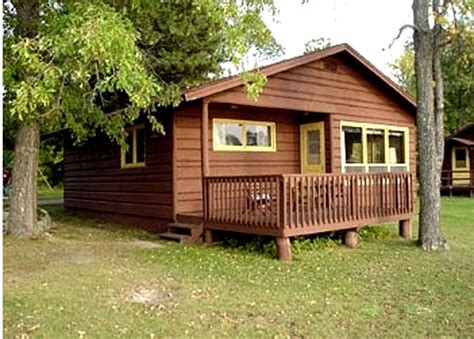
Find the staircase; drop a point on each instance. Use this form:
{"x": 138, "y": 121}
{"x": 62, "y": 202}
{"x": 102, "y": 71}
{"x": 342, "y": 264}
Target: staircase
{"x": 184, "y": 233}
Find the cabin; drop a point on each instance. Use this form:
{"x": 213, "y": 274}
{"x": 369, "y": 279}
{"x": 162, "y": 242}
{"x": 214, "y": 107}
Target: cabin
{"x": 458, "y": 164}
{"x": 329, "y": 145}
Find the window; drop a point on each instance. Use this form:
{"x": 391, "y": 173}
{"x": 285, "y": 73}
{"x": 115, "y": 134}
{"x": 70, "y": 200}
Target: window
{"x": 460, "y": 158}
{"x": 242, "y": 135}
{"x": 374, "y": 148}
{"x": 134, "y": 154}
{"x": 353, "y": 144}
{"x": 396, "y": 147}
{"x": 313, "y": 149}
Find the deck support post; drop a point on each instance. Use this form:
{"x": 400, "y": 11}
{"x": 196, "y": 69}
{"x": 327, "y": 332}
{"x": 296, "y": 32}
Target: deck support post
{"x": 283, "y": 248}
{"x": 208, "y": 236}
{"x": 350, "y": 238}
{"x": 405, "y": 228}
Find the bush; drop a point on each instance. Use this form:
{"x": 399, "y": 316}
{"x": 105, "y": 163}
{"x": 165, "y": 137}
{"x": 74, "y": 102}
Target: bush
{"x": 374, "y": 233}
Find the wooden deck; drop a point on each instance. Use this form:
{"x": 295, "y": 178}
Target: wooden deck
{"x": 460, "y": 181}
{"x": 290, "y": 205}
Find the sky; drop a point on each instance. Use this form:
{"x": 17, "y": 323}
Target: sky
{"x": 369, "y": 26}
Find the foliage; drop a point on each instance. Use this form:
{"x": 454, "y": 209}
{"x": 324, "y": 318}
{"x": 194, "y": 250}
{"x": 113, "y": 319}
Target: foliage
{"x": 404, "y": 70}
{"x": 301, "y": 244}
{"x": 316, "y": 45}
{"x": 315, "y": 243}
{"x": 186, "y": 42}
{"x": 50, "y": 161}
{"x": 67, "y": 76}
{"x": 458, "y": 72}
{"x": 374, "y": 233}
{"x": 63, "y": 284}
{"x": 251, "y": 244}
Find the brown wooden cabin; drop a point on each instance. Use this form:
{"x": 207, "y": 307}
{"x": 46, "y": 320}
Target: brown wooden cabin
{"x": 329, "y": 145}
{"x": 458, "y": 164}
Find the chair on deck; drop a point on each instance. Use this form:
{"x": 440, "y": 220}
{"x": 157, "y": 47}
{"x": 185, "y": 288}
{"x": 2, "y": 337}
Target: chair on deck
{"x": 259, "y": 197}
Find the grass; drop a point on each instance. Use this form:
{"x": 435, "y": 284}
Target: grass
{"x": 80, "y": 281}
{"x": 45, "y": 193}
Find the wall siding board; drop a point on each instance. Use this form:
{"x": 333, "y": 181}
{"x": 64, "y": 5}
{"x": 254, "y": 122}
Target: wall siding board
{"x": 95, "y": 184}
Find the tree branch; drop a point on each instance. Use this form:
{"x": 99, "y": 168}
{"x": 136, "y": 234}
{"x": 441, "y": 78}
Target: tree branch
{"x": 401, "y": 31}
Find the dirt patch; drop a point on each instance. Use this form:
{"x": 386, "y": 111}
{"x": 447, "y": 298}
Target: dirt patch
{"x": 69, "y": 256}
{"x": 144, "y": 244}
{"x": 147, "y": 295}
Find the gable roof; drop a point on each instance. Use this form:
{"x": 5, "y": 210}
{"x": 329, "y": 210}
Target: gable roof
{"x": 461, "y": 131}
{"x": 224, "y": 84}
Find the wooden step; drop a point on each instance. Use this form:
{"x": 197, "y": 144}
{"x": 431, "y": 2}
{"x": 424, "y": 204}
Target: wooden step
{"x": 188, "y": 229}
{"x": 183, "y": 232}
{"x": 181, "y": 238}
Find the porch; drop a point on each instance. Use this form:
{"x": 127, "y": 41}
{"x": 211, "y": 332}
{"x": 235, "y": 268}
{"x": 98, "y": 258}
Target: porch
{"x": 457, "y": 180}
{"x": 289, "y": 205}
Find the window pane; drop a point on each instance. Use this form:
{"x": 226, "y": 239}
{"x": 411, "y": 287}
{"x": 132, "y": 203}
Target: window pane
{"x": 259, "y": 135}
{"x": 228, "y": 134}
{"x": 375, "y": 146}
{"x": 313, "y": 154}
{"x": 353, "y": 144}
{"x": 461, "y": 158}
{"x": 140, "y": 145}
{"x": 354, "y": 169}
{"x": 129, "y": 151}
{"x": 378, "y": 169}
{"x": 399, "y": 168}
{"x": 396, "y": 146}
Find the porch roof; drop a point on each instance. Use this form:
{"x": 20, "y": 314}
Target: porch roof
{"x": 227, "y": 83}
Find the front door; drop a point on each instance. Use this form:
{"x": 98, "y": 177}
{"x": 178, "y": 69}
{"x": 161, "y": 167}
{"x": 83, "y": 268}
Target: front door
{"x": 460, "y": 166}
{"x": 313, "y": 159}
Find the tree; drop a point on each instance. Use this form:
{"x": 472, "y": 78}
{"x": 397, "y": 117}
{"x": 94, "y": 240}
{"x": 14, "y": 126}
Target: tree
{"x": 318, "y": 44}
{"x": 457, "y": 61}
{"x": 91, "y": 66}
{"x": 59, "y": 74}
{"x": 429, "y": 43}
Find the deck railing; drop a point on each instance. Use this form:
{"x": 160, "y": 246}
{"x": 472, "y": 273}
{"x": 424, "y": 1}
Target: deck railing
{"x": 294, "y": 204}
{"x": 455, "y": 178}
{"x": 253, "y": 202}
{"x": 462, "y": 181}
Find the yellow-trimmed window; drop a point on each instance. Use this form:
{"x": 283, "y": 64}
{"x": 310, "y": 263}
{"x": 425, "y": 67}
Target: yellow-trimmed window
{"x": 134, "y": 154}
{"x": 374, "y": 148}
{"x": 244, "y": 135}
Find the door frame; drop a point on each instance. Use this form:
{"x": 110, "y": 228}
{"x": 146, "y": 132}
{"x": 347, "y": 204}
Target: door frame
{"x": 304, "y": 167}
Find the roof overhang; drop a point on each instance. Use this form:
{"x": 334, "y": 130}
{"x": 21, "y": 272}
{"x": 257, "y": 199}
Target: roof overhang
{"x": 465, "y": 142}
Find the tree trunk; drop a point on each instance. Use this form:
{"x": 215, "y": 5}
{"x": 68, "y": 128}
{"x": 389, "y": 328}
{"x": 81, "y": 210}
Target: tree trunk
{"x": 22, "y": 219}
{"x": 430, "y": 237}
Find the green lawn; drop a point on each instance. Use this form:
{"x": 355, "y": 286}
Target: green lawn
{"x": 46, "y": 194}
{"x": 89, "y": 279}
